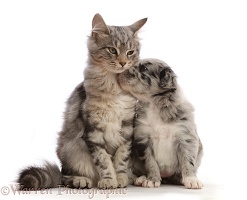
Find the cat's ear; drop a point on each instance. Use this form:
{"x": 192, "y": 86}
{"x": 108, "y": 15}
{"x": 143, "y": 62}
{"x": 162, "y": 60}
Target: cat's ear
{"x": 137, "y": 25}
{"x": 99, "y": 26}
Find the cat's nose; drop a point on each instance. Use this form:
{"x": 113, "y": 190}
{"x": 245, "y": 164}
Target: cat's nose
{"x": 122, "y": 63}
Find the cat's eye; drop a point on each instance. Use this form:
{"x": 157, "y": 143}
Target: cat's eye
{"x": 129, "y": 53}
{"x": 112, "y": 50}
{"x": 143, "y": 68}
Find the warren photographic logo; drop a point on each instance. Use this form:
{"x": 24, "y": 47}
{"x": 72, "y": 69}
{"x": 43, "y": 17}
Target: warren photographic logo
{"x": 62, "y": 190}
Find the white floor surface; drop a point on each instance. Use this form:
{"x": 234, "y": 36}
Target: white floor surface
{"x": 210, "y": 191}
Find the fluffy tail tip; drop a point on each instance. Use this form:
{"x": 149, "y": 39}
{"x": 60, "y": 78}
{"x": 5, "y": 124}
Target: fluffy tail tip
{"x": 35, "y": 178}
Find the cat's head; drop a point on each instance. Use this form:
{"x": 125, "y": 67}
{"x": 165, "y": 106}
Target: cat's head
{"x": 114, "y": 48}
{"x": 149, "y": 78}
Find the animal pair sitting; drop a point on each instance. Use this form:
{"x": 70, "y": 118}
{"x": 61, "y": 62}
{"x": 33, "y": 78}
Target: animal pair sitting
{"x": 101, "y": 143}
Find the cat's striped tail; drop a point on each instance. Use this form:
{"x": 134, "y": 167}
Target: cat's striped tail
{"x": 37, "y": 178}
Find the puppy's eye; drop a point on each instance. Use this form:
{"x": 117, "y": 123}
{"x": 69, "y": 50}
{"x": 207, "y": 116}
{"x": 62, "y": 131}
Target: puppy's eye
{"x": 143, "y": 68}
{"x": 112, "y": 50}
{"x": 129, "y": 53}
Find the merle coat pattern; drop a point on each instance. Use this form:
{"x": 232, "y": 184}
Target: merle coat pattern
{"x": 165, "y": 137}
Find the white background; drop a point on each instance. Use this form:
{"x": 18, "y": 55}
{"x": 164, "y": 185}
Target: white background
{"x": 43, "y": 53}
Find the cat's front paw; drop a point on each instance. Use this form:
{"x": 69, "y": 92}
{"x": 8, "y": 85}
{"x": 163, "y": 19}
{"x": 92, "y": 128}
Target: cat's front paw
{"x": 107, "y": 183}
{"x": 77, "y": 182}
{"x": 82, "y": 182}
{"x": 192, "y": 182}
{"x": 122, "y": 180}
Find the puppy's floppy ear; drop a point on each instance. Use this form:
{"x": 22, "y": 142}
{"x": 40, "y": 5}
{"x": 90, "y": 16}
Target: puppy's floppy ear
{"x": 163, "y": 80}
{"x": 167, "y": 78}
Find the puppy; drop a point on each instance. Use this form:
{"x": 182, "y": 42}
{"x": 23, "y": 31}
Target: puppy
{"x": 166, "y": 147}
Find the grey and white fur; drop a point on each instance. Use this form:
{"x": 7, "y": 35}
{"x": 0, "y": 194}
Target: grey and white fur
{"x": 95, "y": 141}
{"x": 165, "y": 136}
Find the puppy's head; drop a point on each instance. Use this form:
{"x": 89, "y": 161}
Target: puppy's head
{"x": 149, "y": 78}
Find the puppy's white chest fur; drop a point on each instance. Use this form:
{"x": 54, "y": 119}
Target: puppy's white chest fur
{"x": 162, "y": 136}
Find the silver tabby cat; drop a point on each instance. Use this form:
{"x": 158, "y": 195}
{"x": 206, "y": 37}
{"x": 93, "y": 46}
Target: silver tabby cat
{"x": 95, "y": 141}
{"x": 165, "y": 137}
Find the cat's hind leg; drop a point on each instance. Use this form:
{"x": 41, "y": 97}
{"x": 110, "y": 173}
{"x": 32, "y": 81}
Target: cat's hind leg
{"x": 77, "y": 182}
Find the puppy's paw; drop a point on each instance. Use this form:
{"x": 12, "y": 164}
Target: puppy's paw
{"x": 150, "y": 184}
{"x": 192, "y": 182}
{"x": 139, "y": 181}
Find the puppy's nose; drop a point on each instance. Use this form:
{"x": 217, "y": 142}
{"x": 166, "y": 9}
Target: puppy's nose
{"x": 131, "y": 70}
{"x": 122, "y": 63}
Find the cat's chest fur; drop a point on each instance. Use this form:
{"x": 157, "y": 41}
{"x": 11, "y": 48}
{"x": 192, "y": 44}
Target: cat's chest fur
{"x": 110, "y": 108}
{"x": 162, "y": 136}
